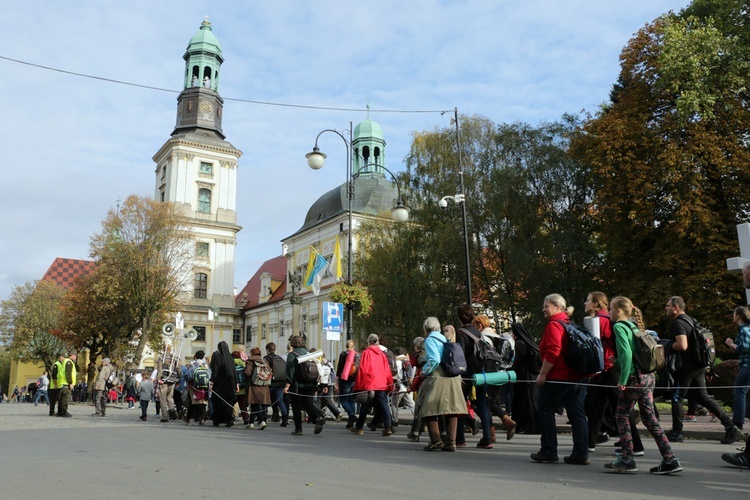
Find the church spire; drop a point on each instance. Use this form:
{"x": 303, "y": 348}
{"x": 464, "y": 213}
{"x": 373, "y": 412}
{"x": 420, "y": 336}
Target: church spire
{"x": 368, "y": 147}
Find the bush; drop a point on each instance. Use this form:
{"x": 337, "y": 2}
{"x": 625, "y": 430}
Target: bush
{"x": 724, "y": 375}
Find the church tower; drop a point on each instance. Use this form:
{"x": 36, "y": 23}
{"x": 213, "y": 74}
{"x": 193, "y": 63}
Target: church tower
{"x": 196, "y": 169}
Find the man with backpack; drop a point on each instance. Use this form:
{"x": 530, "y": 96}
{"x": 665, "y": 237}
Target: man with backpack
{"x": 469, "y": 338}
{"x": 687, "y": 345}
{"x": 100, "y": 400}
{"x": 301, "y": 388}
{"x": 276, "y": 389}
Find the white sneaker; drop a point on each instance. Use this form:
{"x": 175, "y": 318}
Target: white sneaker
{"x": 262, "y": 425}
{"x": 250, "y": 426}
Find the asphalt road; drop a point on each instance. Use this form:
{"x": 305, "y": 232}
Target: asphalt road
{"x": 121, "y": 457}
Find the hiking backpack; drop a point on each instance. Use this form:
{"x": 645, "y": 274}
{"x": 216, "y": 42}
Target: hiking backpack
{"x": 307, "y": 372}
{"x": 262, "y": 374}
{"x": 240, "y": 375}
{"x": 392, "y": 362}
{"x": 504, "y": 347}
{"x": 486, "y": 358}
{"x": 705, "y": 349}
{"x": 648, "y": 354}
{"x": 201, "y": 377}
{"x": 584, "y": 353}
{"x": 111, "y": 380}
{"x": 453, "y": 361}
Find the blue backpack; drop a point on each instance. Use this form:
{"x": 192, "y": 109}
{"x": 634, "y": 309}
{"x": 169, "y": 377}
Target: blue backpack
{"x": 239, "y": 371}
{"x": 453, "y": 361}
{"x": 584, "y": 353}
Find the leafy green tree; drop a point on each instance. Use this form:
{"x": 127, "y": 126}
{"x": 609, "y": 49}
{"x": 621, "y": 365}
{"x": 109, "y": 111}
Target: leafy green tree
{"x": 669, "y": 158}
{"x": 31, "y": 320}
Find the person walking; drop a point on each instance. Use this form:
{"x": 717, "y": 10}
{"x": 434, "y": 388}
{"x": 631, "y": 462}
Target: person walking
{"x": 635, "y": 386}
{"x": 224, "y": 386}
{"x": 100, "y": 400}
{"x": 692, "y": 374}
{"x": 374, "y": 375}
{"x": 741, "y": 346}
{"x": 145, "y": 394}
{"x": 302, "y": 392}
{"x": 559, "y": 384}
{"x": 345, "y": 386}
{"x": 42, "y": 385}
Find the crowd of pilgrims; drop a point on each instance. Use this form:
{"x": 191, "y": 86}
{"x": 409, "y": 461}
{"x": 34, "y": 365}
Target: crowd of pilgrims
{"x": 373, "y": 380}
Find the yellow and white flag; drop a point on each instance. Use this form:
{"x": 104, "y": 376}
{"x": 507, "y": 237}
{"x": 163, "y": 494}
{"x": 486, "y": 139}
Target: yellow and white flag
{"x": 335, "y": 265}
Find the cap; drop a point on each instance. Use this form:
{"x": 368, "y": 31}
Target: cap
{"x": 106, "y": 360}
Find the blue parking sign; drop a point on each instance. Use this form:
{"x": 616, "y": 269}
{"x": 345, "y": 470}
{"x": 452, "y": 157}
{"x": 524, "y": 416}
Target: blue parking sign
{"x": 333, "y": 317}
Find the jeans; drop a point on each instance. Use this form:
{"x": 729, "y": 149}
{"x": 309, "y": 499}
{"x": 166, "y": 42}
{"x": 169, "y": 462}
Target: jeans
{"x": 739, "y": 409}
{"x": 144, "y": 407}
{"x": 381, "y": 400}
{"x": 685, "y": 379}
{"x": 483, "y": 412}
{"x": 277, "y": 399}
{"x": 551, "y": 395}
{"x": 345, "y": 397}
{"x": 41, "y": 393}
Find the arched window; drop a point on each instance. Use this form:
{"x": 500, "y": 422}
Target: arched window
{"x": 200, "y": 285}
{"x": 204, "y": 201}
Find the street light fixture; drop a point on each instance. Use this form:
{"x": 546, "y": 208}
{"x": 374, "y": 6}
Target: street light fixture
{"x": 316, "y": 160}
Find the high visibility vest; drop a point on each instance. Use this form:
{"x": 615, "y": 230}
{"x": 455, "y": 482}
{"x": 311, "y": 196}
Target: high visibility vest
{"x": 61, "y": 378}
{"x": 53, "y": 383}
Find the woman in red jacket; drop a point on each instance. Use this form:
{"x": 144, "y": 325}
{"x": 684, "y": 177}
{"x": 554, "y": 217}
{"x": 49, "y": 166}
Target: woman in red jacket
{"x": 555, "y": 388}
{"x": 374, "y": 374}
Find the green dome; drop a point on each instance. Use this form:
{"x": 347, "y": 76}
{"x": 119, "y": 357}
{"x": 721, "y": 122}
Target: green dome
{"x": 368, "y": 129}
{"x": 204, "y": 40}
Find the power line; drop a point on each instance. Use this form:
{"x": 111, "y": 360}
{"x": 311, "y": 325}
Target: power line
{"x": 235, "y": 99}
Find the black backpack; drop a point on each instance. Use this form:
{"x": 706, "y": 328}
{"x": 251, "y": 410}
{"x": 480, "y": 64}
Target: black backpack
{"x": 278, "y": 366}
{"x": 504, "y": 347}
{"x": 584, "y": 353}
{"x": 704, "y": 351}
{"x": 307, "y": 372}
{"x": 486, "y": 358}
{"x": 392, "y": 362}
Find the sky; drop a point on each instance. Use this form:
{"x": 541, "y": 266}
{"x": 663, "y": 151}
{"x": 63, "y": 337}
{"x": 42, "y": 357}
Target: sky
{"x": 74, "y": 146}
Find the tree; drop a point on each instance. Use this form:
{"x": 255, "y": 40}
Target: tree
{"x": 669, "y": 158}
{"x": 30, "y": 321}
{"x": 144, "y": 256}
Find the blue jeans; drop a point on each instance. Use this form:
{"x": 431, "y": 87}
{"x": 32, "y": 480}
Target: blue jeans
{"x": 277, "y": 399}
{"x": 482, "y": 411}
{"x": 381, "y": 401}
{"x": 39, "y": 394}
{"x": 551, "y": 395}
{"x": 345, "y": 397}
{"x": 741, "y": 383}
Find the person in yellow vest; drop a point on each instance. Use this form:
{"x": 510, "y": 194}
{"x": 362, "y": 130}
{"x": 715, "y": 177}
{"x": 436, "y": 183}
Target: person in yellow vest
{"x": 66, "y": 380}
{"x": 54, "y": 387}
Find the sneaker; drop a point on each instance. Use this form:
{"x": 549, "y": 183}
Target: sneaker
{"x": 592, "y": 449}
{"x": 339, "y": 417}
{"x": 250, "y": 426}
{"x": 674, "y": 437}
{"x": 358, "y": 432}
{"x": 714, "y": 419}
{"x": 689, "y": 418}
{"x": 602, "y": 437}
{"x": 733, "y": 435}
{"x": 574, "y": 460}
{"x": 621, "y": 465}
{"x": 387, "y": 432}
{"x": 541, "y": 457}
{"x": 640, "y": 453}
{"x": 262, "y": 426}
{"x": 434, "y": 446}
{"x": 667, "y": 468}
{"x": 485, "y": 445}
{"x": 741, "y": 460}
{"x": 297, "y": 432}
{"x": 319, "y": 425}
{"x": 412, "y": 437}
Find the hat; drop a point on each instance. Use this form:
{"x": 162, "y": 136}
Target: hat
{"x": 105, "y": 360}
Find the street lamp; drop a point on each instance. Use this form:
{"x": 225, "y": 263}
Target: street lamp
{"x": 316, "y": 160}
{"x": 443, "y": 203}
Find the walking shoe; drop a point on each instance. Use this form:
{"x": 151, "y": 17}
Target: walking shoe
{"x": 541, "y": 457}
{"x": 461, "y": 445}
{"x": 412, "y": 437}
{"x": 297, "y": 432}
{"x": 262, "y": 426}
{"x": 250, "y": 426}
{"x": 674, "y": 437}
{"x": 639, "y": 453}
{"x": 449, "y": 447}
{"x": 164, "y": 420}
{"x": 319, "y": 425}
{"x": 358, "y": 432}
{"x": 67, "y": 415}
{"x": 485, "y": 445}
{"x": 689, "y": 418}
{"x": 339, "y": 417}
{"x": 434, "y": 446}
{"x": 96, "y": 414}
{"x": 143, "y": 417}
{"x": 592, "y": 449}
{"x": 574, "y": 460}
{"x": 714, "y": 419}
{"x": 387, "y": 431}
{"x": 733, "y": 435}
{"x": 741, "y": 460}
{"x": 602, "y": 437}
{"x": 672, "y": 467}
{"x": 621, "y": 465}
{"x": 510, "y": 427}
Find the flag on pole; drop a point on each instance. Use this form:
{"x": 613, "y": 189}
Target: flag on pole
{"x": 336, "y": 260}
{"x": 315, "y": 267}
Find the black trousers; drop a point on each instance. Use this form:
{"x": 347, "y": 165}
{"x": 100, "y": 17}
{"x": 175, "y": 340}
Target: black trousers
{"x": 304, "y": 399}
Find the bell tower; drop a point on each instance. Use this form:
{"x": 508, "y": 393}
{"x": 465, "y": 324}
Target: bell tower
{"x": 196, "y": 169}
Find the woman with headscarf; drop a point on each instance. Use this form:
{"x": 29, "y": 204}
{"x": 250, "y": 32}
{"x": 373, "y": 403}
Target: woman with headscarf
{"x": 224, "y": 386}
{"x": 526, "y": 365}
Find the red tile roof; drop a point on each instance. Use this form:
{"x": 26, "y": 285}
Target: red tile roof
{"x": 276, "y": 267}
{"x": 65, "y": 271}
